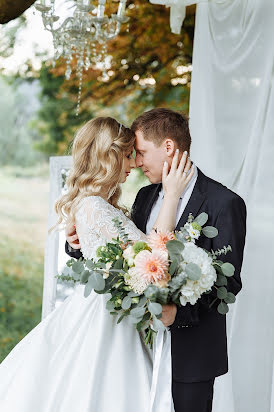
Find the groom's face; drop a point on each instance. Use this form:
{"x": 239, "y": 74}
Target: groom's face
{"x": 150, "y": 157}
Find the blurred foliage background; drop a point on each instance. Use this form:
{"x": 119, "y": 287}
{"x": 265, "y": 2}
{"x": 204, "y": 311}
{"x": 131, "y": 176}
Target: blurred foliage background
{"x": 147, "y": 67}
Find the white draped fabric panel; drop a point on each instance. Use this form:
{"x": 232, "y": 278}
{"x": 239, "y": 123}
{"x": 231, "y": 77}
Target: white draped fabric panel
{"x": 232, "y": 126}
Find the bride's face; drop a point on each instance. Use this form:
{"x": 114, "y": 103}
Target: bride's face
{"x": 129, "y": 163}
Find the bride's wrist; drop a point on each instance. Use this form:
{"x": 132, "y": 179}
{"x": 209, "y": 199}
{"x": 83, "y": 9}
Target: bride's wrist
{"x": 171, "y": 198}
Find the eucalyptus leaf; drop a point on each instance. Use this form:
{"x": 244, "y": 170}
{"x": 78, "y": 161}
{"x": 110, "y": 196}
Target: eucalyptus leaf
{"x": 139, "y": 325}
{"x": 230, "y": 298}
{"x": 88, "y": 289}
{"x": 162, "y": 295}
{"x": 84, "y": 276}
{"x": 132, "y": 294}
{"x": 122, "y": 317}
{"x": 66, "y": 271}
{"x": 118, "y": 264}
{"x": 223, "y": 308}
{"x": 75, "y": 276}
{"x": 134, "y": 319}
{"x": 221, "y": 281}
{"x": 155, "y": 308}
{"x": 146, "y": 316}
{"x": 210, "y": 231}
{"x": 97, "y": 281}
{"x": 222, "y": 292}
{"x": 175, "y": 249}
{"x": 175, "y": 297}
{"x": 201, "y": 219}
{"x": 175, "y": 246}
{"x": 193, "y": 271}
{"x": 78, "y": 267}
{"x": 151, "y": 292}
{"x": 142, "y": 301}
{"x": 89, "y": 264}
{"x": 218, "y": 269}
{"x": 180, "y": 236}
{"x": 173, "y": 267}
{"x": 137, "y": 312}
{"x": 177, "y": 282}
{"x": 126, "y": 303}
{"x": 228, "y": 269}
{"x": 158, "y": 324}
{"x": 110, "y": 305}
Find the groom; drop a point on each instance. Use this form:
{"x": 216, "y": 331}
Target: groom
{"x": 198, "y": 332}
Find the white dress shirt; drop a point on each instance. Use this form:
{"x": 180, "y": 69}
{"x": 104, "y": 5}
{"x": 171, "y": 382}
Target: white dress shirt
{"x": 185, "y": 196}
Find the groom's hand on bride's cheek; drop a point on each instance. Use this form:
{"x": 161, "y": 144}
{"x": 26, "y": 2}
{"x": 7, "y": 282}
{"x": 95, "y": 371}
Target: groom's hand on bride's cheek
{"x": 169, "y": 314}
{"x": 72, "y": 237}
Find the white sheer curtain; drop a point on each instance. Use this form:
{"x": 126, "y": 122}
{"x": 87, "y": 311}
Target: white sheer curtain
{"x": 232, "y": 126}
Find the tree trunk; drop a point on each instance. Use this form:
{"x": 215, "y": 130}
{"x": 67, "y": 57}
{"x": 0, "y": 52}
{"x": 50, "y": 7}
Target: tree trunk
{"x": 9, "y": 10}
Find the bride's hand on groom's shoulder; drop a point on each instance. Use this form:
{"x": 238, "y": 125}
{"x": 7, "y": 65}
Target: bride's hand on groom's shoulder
{"x": 72, "y": 237}
{"x": 177, "y": 178}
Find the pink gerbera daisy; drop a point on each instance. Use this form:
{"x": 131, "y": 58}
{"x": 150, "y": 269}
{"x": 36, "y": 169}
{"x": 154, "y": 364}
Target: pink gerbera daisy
{"x": 159, "y": 240}
{"x": 152, "y": 266}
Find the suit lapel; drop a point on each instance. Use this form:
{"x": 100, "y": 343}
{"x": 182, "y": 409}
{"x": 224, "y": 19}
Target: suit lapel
{"x": 196, "y": 199}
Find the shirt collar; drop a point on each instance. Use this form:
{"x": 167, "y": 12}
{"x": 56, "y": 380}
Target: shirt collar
{"x": 161, "y": 193}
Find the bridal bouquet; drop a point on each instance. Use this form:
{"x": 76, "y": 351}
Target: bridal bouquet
{"x": 140, "y": 276}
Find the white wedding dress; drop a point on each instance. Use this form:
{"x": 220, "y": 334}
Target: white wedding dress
{"x": 78, "y": 359}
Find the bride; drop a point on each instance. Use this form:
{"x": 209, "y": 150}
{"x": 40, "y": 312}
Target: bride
{"x": 78, "y": 358}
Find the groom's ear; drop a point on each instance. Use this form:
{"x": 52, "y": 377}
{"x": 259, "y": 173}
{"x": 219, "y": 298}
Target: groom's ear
{"x": 170, "y": 147}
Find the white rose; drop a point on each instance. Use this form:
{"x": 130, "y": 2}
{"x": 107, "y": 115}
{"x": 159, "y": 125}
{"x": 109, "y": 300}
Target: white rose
{"x": 189, "y": 293}
{"x": 207, "y": 281}
{"x": 106, "y": 270}
{"x": 129, "y": 255}
{"x": 193, "y": 290}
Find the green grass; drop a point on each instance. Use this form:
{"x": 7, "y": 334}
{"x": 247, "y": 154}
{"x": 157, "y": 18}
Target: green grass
{"x": 21, "y": 280}
{"x": 23, "y": 221}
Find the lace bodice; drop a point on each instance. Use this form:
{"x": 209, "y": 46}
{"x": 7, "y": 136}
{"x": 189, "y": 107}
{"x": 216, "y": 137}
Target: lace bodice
{"x": 95, "y": 227}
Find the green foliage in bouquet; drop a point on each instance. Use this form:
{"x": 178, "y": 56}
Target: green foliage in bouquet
{"x": 113, "y": 271}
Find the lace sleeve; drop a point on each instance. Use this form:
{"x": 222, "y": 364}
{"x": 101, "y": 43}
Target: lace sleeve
{"x": 95, "y": 226}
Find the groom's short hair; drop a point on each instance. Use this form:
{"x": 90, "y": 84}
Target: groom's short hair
{"x": 159, "y": 124}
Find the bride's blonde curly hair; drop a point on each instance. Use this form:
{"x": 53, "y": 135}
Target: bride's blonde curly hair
{"x": 98, "y": 152}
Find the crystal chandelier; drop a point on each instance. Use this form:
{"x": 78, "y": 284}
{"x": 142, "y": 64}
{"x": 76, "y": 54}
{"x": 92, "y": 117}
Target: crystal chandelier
{"x": 80, "y": 35}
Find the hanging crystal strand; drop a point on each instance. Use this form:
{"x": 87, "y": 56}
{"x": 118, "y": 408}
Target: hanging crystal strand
{"x": 80, "y": 65}
{"x": 52, "y": 6}
{"x": 79, "y": 94}
{"x": 54, "y": 52}
{"x": 104, "y": 68}
{"x": 68, "y": 70}
{"x": 68, "y": 52}
{"x": 87, "y": 59}
{"x": 94, "y": 54}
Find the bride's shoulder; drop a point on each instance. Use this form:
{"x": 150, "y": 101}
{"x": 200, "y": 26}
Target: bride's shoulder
{"x": 92, "y": 200}
{"x": 97, "y": 202}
